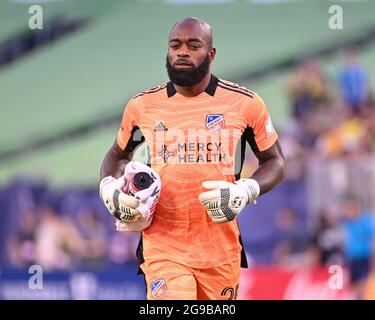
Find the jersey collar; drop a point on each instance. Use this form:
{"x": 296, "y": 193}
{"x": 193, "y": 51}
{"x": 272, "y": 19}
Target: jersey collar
{"x": 211, "y": 88}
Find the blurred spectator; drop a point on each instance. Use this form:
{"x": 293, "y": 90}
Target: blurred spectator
{"x": 359, "y": 236}
{"x": 370, "y": 134}
{"x": 328, "y": 239}
{"x": 353, "y": 82}
{"x": 122, "y": 247}
{"x": 307, "y": 88}
{"x": 293, "y": 153}
{"x": 63, "y": 232}
{"x": 310, "y": 129}
{"x": 57, "y": 242}
{"x": 21, "y": 244}
{"x": 94, "y": 238}
{"x": 292, "y": 239}
{"x": 343, "y": 138}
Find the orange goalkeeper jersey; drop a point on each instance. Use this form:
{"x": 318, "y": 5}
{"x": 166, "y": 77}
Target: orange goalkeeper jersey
{"x": 190, "y": 140}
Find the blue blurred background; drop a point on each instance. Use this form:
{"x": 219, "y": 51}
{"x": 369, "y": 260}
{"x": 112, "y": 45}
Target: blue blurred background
{"x": 62, "y": 93}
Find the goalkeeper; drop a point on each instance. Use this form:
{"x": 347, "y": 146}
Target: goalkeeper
{"x": 190, "y": 247}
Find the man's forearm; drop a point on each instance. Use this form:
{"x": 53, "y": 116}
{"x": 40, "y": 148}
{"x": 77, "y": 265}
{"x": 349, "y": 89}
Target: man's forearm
{"x": 112, "y": 167}
{"x": 269, "y": 174}
{"x": 114, "y": 163}
{"x": 272, "y": 168}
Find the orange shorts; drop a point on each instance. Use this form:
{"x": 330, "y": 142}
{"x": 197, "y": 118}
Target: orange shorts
{"x": 168, "y": 280}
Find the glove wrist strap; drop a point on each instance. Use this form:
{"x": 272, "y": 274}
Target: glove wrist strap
{"x": 252, "y": 188}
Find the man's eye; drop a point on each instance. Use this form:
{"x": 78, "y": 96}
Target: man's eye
{"x": 195, "y": 45}
{"x": 173, "y": 45}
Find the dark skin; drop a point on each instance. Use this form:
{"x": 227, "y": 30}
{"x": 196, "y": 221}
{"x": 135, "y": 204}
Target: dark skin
{"x": 115, "y": 161}
{"x": 272, "y": 168}
{"x": 190, "y": 41}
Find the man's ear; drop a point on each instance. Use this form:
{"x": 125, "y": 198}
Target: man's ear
{"x": 212, "y": 54}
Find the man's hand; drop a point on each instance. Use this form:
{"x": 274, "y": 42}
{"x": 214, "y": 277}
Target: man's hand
{"x": 118, "y": 203}
{"x": 225, "y": 200}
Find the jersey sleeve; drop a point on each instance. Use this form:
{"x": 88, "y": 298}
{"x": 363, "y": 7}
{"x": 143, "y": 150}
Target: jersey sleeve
{"x": 261, "y": 131}
{"x": 129, "y": 135}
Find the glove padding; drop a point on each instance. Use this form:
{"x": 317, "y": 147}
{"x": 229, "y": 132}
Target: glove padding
{"x": 118, "y": 203}
{"x": 148, "y": 198}
{"x": 225, "y": 200}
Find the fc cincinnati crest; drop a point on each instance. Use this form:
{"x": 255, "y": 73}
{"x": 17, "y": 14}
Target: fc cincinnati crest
{"x": 158, "y": 288}
{"x": 215, "y": 122}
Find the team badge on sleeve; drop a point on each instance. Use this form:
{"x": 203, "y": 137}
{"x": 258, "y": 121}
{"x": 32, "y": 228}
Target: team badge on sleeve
{"x": 158, "y": 288}
{"x": 215, "y": 122}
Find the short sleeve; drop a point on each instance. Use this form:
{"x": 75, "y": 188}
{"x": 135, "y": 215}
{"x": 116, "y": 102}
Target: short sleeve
{"x": 260, "y": 124}
{"x": 127, "y": 137}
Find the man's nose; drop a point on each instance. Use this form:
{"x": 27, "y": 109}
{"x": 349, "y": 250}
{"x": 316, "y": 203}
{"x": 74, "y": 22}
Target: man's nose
{"x": 183, "y": 51}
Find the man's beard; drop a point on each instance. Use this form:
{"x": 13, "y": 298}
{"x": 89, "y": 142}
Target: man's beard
{"x": 187, "y": 78}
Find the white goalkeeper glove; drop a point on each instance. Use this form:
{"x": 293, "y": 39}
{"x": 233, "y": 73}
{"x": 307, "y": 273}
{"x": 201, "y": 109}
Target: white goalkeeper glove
{"x": 225, "y": 200}
{"x": 118, "y": 203}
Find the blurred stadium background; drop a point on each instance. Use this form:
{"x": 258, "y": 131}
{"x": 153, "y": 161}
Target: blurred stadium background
{"x": 62, "y": 92}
